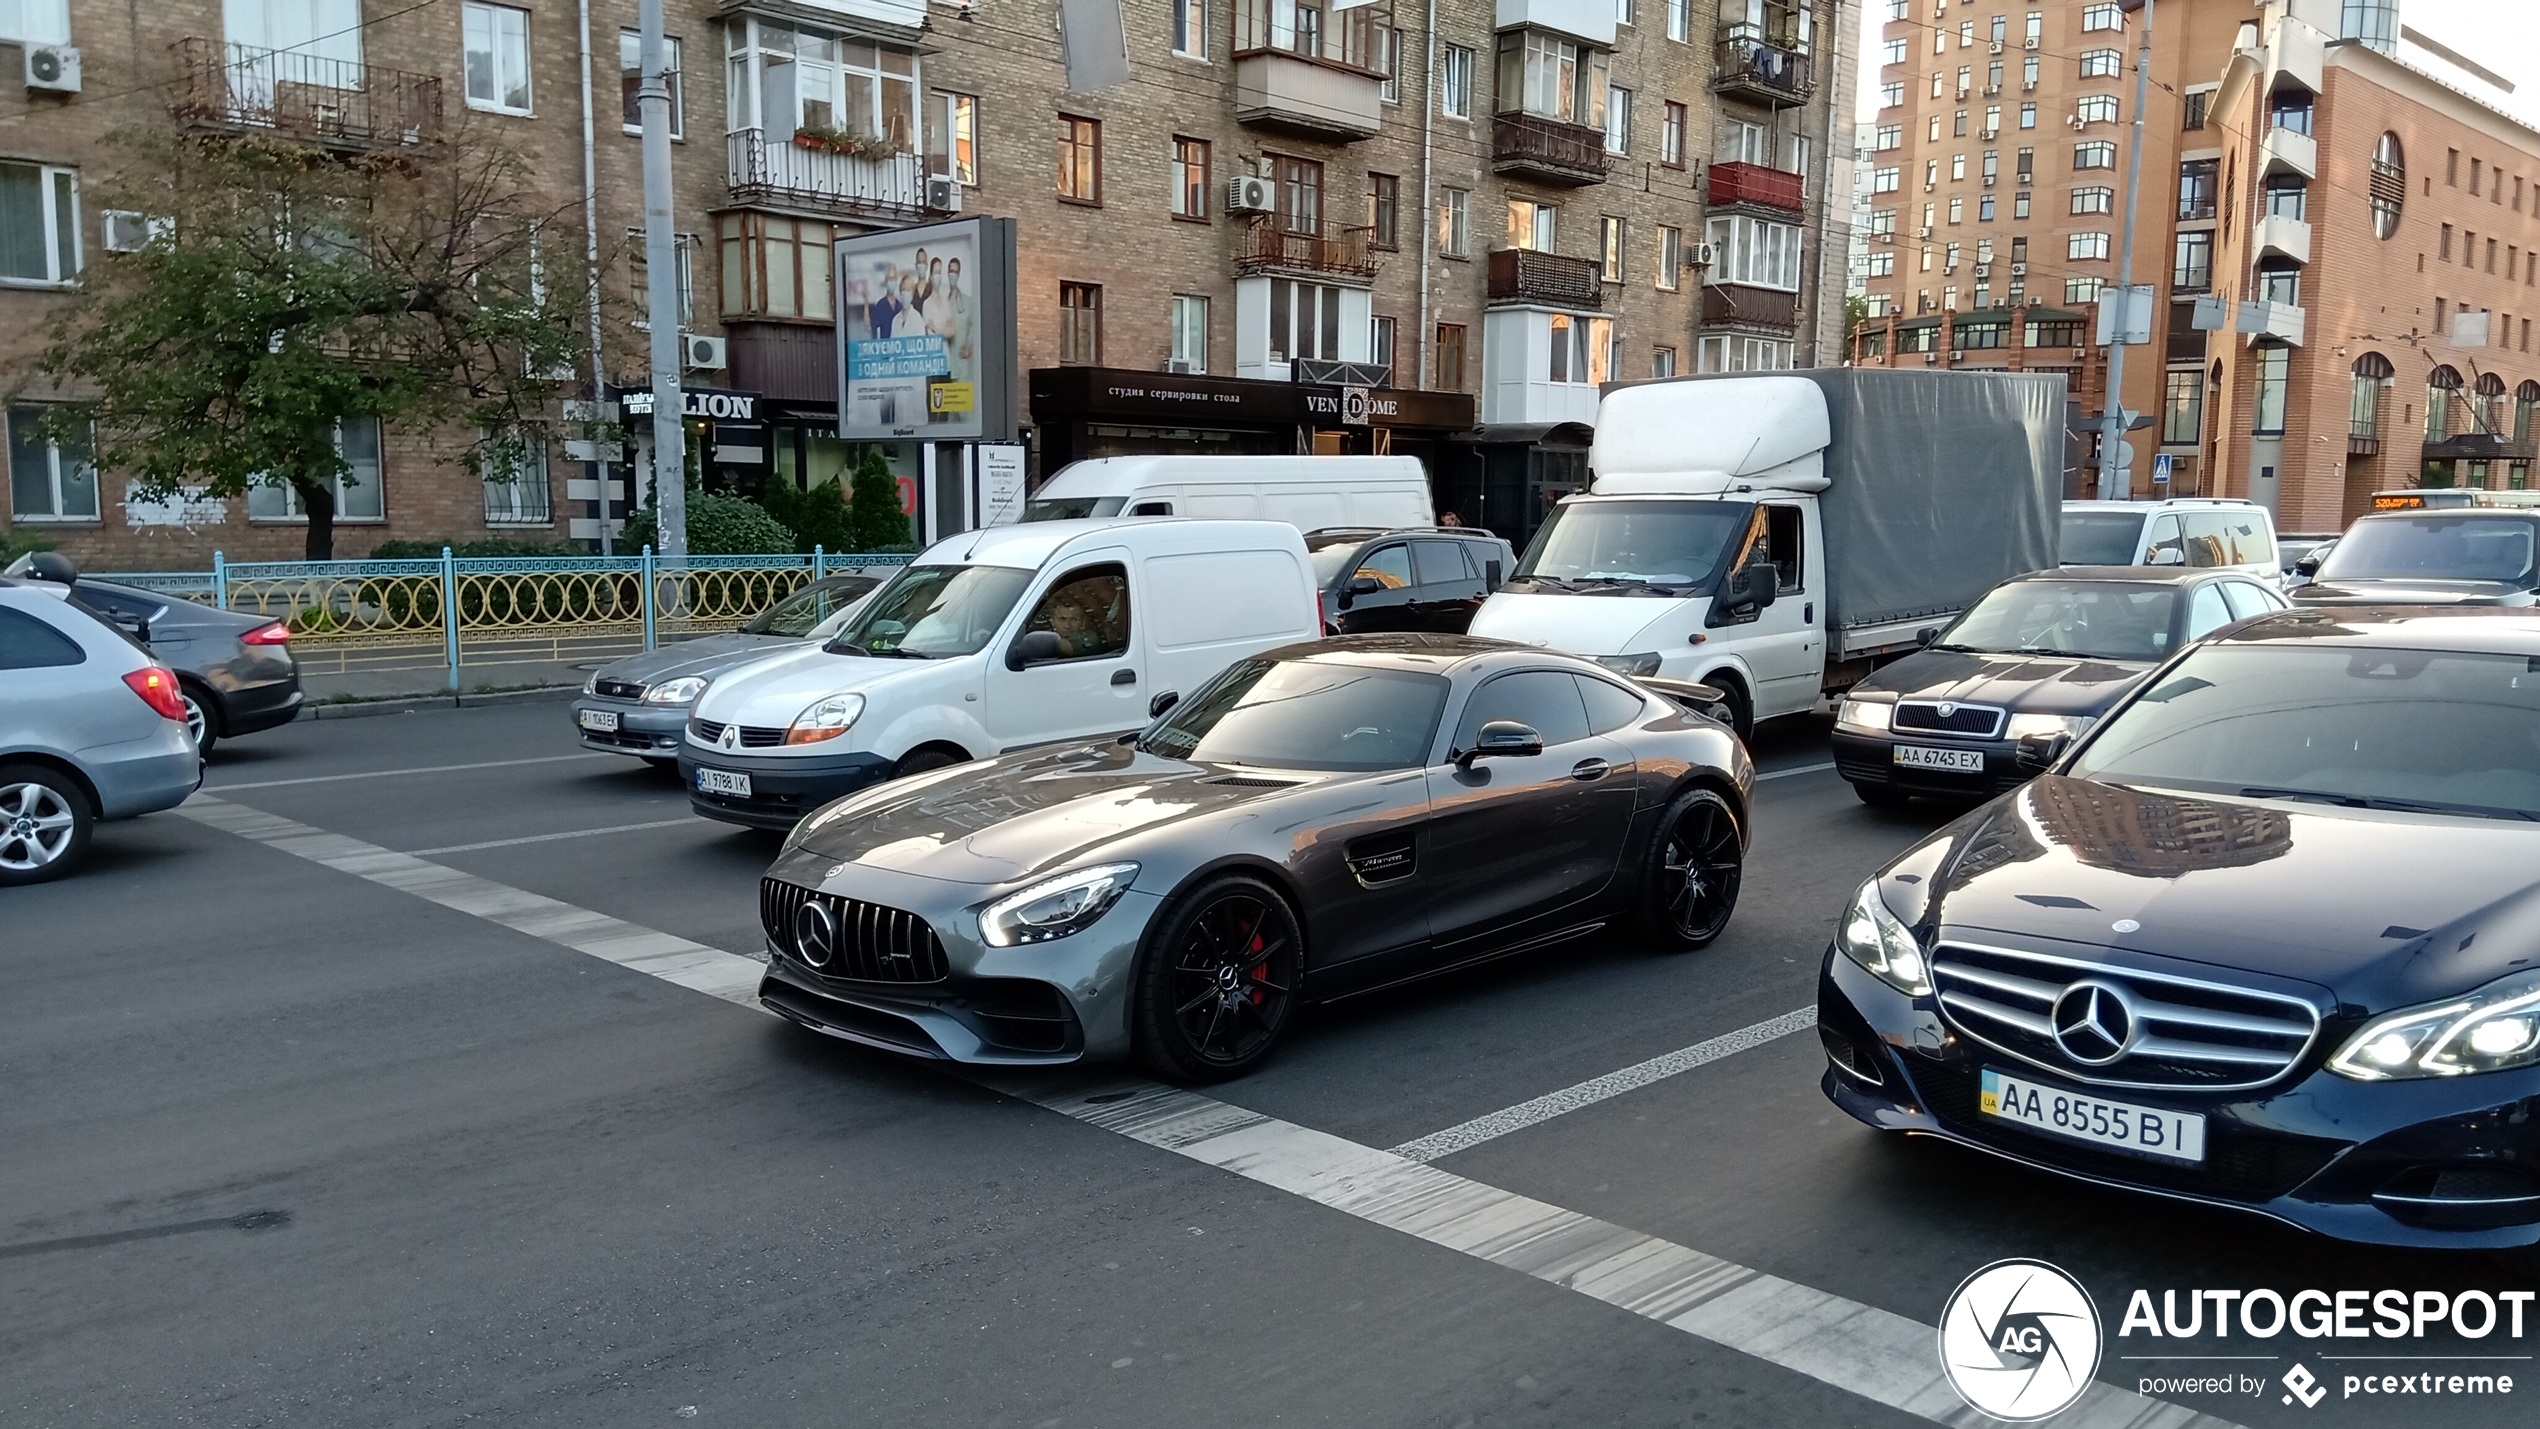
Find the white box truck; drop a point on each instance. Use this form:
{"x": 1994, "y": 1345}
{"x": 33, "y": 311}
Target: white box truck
{"x": 1778, "y": 537}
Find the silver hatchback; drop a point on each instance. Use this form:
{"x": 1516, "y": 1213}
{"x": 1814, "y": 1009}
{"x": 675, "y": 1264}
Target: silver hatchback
{"x": 91, "y": 727}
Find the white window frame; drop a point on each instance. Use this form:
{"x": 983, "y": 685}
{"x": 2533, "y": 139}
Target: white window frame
{"x": 1581, "y": 350}
{"x": 1890, "y": 137}
{"x": 1455, "y": 222}
{"x": 1190, "y": 329}
{"x": 1680, "y": 20}
{"x": 56, "y": 187}
{"x": 1534, "y": 224}
{"x": 282, "y": 503}
{"x": 630, "y": 62}
{"x": 2083, "y": 288}
{"x": 2098, "y": 109}
{"x": 1380, "y": 340}
{"x": 1886, "y": 180}
{"x": 499, "y": 33}
{"x": 2108, "y": 16}
{"x": 1190, "y": 29}
{"x": 2102, "y": 64}
{"x": 959, "y": 121}
{"x": 1455, "y": 81}
{"x": 1618, "y": 119}
{"x": 1671, "y": 250}
{"x": 37, "y": 22}
{"x": 1610, "y": 237}
{"x": 2094, "y": 154}
{"x": 2091, "y": 198}
{"x": 1741, "y": 352}
{"x": 1755, "y": 253}
{"x": 756, "y": 46}
{"x": 683, "y": 250}
{"x": 504, "y": 495}
{"x": 55, "y": 461}
{"x": 2086, "y": 246}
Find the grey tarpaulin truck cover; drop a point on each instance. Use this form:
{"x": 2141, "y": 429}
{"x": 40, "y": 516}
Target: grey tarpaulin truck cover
{"x": 1937, "y": 484}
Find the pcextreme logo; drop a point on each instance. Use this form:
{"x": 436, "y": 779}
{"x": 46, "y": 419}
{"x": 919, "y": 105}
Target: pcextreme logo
{"x": 2019, "y": 1340}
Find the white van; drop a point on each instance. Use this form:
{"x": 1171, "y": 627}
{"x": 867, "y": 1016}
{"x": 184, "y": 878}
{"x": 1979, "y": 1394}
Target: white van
{"x": 1308, "y": 492}
{"x": 2200, "y": 531}
{"x": 990, "y": 641}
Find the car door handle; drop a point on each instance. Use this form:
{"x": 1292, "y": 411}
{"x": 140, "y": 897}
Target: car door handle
{"x": 1124, "y": 677}
{"x": 1587, "y": 770}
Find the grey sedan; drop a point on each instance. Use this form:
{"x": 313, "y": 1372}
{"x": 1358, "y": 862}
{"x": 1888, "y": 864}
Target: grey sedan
{"x": 639, "y": 705}
{"x": 234, "y": 670}
{"x": 1320, "y": 820}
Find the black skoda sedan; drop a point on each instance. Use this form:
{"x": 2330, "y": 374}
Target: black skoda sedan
{"x": 2036, "y": 656}
{"x": 2267, "y": 937}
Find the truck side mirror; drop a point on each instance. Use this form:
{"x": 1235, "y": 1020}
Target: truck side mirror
{"x": 1035, "y": 647}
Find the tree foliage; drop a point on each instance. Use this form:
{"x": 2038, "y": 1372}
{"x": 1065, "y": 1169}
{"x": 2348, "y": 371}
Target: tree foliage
{"x": 293, "y": 289}
{"x": 718, "y": 525}
{"x": 818, "y": 517}
{"x": 873, "y": 504}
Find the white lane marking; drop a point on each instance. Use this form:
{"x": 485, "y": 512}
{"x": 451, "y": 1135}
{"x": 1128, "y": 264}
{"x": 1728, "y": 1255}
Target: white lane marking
{"x": 1786, "y": 773}
{"x": 550, "y": 838}
{"x": 671, "y": 958}
{"x": 1874, "y": 1353}
{"x": 386, "y": 773}
{"x": 1596, "y": 1089}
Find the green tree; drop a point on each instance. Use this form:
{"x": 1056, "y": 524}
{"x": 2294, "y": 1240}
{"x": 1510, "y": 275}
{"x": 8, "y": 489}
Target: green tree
{"x": 1856, "y": 311}
{"x": 873, "y": 504}
{"x": 292, "y": 289}
{"x": 818, "y": 517}
{"x": 718, "y": 525}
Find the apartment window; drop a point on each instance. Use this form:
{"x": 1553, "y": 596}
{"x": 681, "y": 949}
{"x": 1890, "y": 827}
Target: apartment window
{"x": 2082, "y": 290}
{"x": 2273, "y": 363}
{"x": 39, "y": 223}
{"x": 2291, "y": 110}
{"x": 2028, "y": 116}
{"x": 2086, "y": 247}
{"x": 639, "y": 285}
{"x": 952, "y": 143}
{"x": 1892, "y": 53}
{"x": 2289, "y": 197}
{"x": 1966, "y": 80}
{"x": 1966, "y": 34}
{"x": 1455, "y": 81}
{"x": 1388, "y": 61}
{"x": 1384, "y": 211}
{"x": 1882, "y": 264}
{"x": 1934, "y": 135}
{"x": 1957, "y": 168}
{"x": 1883, "y": 223}
{"x": 1609, "y": 261}
{"x": 1891, "y": 95}
{"x": 1190, "y": 331}
{"x": 1190, "y": 28}
{"x": 1992, "y": 120}
{"x": 516, "y": 492}
{"x": 1958, "y": 126}
{"x": 1626, "y": 12}
{"x": 1541, "y": 73}
{"x": 2192, "y": 271}
{"x": 2445, "y": 252}
{"x": 359, "y": 495}
{"x": 1380, "y": 342}
{"x": 630, "y": 82}
{"x": 2095, "y": 154}
{"x": 1949, "y": 258}
{"x": 2198, "y": 103}
{"x": 2096, "y": 199}
{"x": 1755, "y": 252}
{"x": 1743, "y": 354}
{"x": 1890, "y": 137}
{"x": 1662, "y": 362}
{"x": 2280, "y": 285}
{"x": 1446, "y": 358}
{"x": 1957, "y": 208}
{"x": 1455, "y": 222}
{"x": 2452, "y": 168}
{"x": 1679, "y": 19}
{"x": 43, "y": 22}
{"x": 1532, "y": 225}
{"x": 1079, "y": 159}
{"x": 1671, "y": 252}
{"x": 1939, "y": 84}
{"x": 2028, "y": 73}
{"x": 48, "y": 480}
{"x": 2183, "y": 406}
{"x": 1884, "y": 181}
{"x": 1671, "y": 136}
{"x": 812, "y": 79}
{"x": 1618, "y": 119}
{"x": 2363, "y": 405}
{"x": 1080, "y": 324}
{"x": 1992, "y": 165}
{"x": 1190, "y": 179}
{"x": 1984, "y": 209}
{"x": 1305, "y": 321}
{"x": 1931, "y": 174}
{"x": 2101, "y": 17}
{"x": 2096, "y": 109}
{"x": 1300, "y": 194}
{"x": 496, "y": 53}
{"x": 2036, "y": 27}
{"x": 1582, "y": 350}
{"x": 2101, "y": 64}
{"x": 2196, "y": 183}
{"x": 775, "y": 266}
{"x": 2019, "y": 205}
{"x": 1993, "y": 77}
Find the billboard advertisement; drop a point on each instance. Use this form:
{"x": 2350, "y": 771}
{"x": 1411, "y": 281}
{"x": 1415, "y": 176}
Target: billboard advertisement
{"x": 926, "y": 333}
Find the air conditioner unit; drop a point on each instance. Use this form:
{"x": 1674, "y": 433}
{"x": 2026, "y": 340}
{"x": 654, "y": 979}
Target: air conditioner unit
{"x": 2027, "y": 85}
{"x": 2019, "y": 270}
{"x": 943, "y": 195}
{"x": 1184, "y": 366}
{"x": 1956, "y": 356}
{"x": 2029, "y": 43}
{"x": 1932, "y": 358}
{"x": 129, "y": 232}
{"x": 1703, "y": 255}
{"x": 1930, "y": 184}
{"x": 1926, "y": 231}
{"x": 1963, "y": 91}
{"x": 2077, "y": 121}
{"x": 1996, "y": 47}
{"x": 703, "y": 353}
{"x": 52, "y": 67}
{"x": 1991, "y": 90}
{"x": 1948, "y": 269}
{"x": 1987, "y": 133}
{"x": 1984, "y": 270}
{"x": 1250, "y": 193}
{"x": 1988, "y": 180}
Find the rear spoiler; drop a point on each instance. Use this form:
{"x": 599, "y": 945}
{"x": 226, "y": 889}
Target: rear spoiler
{"x": 1708, "y": 701}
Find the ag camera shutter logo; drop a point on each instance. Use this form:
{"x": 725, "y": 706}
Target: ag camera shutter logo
{"x": 2019, "y": 1340}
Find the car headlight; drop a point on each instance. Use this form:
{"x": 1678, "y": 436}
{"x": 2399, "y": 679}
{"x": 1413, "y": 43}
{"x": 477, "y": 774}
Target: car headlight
{"x": 1869, "y": 716}
{"x": 1635, "y": 666}
{"x": 1055, "y": 907}
{"x": 828, "y": 719}
{"x": 2490, "y": 1030}
{"x": 2023, "y": 726}
{"x": 682, "y": 691}
{"x": 1882, "y": 944}
{"x": 591, "y": 686}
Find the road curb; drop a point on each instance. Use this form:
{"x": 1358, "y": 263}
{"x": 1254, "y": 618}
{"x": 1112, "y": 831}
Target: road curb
{"x": 363, "y": 709}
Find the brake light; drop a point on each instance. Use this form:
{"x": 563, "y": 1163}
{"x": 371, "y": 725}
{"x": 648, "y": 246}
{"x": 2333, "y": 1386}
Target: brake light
{"x": 275, "y": 633}
{"x": 156, "y": 685}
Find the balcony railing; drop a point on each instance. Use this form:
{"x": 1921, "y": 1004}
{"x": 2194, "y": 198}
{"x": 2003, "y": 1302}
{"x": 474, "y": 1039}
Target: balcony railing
{"x": 338, "y": 103}
{"x": 775, "y": 169}
{"x": 1551, "y": 151}
{"x": 1265, "y": 247}
{"x": 1756, "y": 184}
{"x": 1523, "y": 275}
{"x": 1749, "y": 307}
{"x": 1750, "y": 68}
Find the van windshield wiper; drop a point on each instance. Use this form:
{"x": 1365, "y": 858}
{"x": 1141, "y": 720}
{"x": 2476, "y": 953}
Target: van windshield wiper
{"x": 2375, "y": 801}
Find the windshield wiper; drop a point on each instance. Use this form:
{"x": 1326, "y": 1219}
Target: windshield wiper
{"x": 2375, "y": 801}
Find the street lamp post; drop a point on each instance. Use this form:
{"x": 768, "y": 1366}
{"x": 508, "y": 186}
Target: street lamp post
{"x": 661, "y": 268}
{"x": 2115, "y": 478}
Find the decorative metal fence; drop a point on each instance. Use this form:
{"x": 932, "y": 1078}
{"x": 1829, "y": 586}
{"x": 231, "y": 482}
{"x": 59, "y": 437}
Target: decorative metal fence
{"x": 348, "y": 616}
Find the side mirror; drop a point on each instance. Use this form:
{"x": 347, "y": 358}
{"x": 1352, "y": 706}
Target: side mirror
{"x": 50, "y": 566}
{"x": 1764, "y": 583}
{"x": 1035, "y": 647}
{"x": 2307, "y": 567}
{"x": 1927, "y": 635}
{"x": 2038, "y": 753}
{"x": 1164, "y": 700}
{"x": 2168, "y": 556}
{"x": 1365, "y": 585}
{"x": 1502, "y": 739}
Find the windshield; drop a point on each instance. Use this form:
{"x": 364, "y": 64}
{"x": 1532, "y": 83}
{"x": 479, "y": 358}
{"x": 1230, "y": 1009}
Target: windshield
{"x": 2111, "y": 620}
{"x": 928, "y": 612}
{"x": 1676, "y": 544}
{"x": 798, "y": 614}
{"x": 1288, "y": 714}
{"x": 2433, "y": 547}
{"x": 2371, "y": 728}
{"x": 2100, "y": 538}
{"x": 1072, "y": 508}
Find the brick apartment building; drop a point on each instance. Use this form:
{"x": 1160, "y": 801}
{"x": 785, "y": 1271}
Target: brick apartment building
{"x": 1494, "y": 215}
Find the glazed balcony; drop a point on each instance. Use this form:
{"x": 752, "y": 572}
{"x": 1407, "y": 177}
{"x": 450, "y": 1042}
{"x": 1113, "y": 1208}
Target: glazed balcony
{"x": 1317, "y": 78}
{"x": 781, "y": 170}
{"x": 338, "y": 104}
{"x": 1522, "y": 275}
{"x": 1757, "y": 185}
{"x": 1750, "y": 68}
{"x": 1265, "y": 248}
{"x": 1547, "y": 151}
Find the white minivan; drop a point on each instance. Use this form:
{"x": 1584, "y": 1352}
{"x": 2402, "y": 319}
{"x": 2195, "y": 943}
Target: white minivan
{"x": 990, "y": 641}
{"x": 1310, "y": 493}
{"x": 2201, "y": 531}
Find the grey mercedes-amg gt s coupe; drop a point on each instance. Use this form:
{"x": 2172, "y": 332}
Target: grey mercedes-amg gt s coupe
{"x": 1315, "y": 821}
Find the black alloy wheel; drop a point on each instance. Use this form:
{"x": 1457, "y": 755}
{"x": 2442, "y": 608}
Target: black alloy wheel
{"x": 1694, "y": 868}
{"x": 919, "y": 761}
{"x": 1218, "y": 981}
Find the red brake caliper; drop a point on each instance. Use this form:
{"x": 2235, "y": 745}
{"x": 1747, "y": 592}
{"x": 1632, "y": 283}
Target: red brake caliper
{"x": 1260, "y": 970}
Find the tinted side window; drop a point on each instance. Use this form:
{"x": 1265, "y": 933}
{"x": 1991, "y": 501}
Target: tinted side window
{"x": 112, "y": 603}
{"x": 2207, "y": 613}
{"x": 1546, "y": 700}
{"x": 1089, "y": 609}
{"x": 27, "y": 643}
{"x": 1389, "y": 565}
{"x": 1782, "y": 529}
{"x": 1609, "y": 707}
{"x": 1152, "y": 508}
{"x": 1442, "y": 563}
{"x": 2247, "y": 600}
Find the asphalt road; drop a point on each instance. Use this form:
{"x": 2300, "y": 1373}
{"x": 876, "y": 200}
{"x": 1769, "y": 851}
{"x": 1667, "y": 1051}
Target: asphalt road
{"x": 283, "y": 1144}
